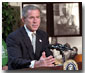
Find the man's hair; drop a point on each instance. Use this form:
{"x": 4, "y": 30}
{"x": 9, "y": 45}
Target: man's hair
{"x": 29, "y": 7}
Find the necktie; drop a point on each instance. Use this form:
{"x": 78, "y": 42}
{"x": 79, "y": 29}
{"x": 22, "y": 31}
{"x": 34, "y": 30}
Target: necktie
{"x": 34, "y": 41}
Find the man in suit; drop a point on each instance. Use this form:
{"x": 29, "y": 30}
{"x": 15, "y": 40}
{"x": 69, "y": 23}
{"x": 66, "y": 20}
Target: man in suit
{"x": 21, "y": 52}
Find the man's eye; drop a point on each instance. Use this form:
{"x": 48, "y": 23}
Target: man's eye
{"x": 34, "y": 17}
{"x": 38, "y": 17}
{"x": 30, "y": 17}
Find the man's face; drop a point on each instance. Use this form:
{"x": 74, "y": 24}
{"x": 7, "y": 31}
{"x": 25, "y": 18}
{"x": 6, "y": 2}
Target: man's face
{"x": 64, "y": 11}
{"x": 33, "y": 20}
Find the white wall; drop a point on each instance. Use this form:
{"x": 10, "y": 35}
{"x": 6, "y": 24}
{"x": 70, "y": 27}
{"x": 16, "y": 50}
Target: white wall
{"x": 73, "y": 41}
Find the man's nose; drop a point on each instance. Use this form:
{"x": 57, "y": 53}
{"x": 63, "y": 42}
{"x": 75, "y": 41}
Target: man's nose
{"x": 35, "y": 20}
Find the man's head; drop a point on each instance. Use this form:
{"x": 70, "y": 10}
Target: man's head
{"x": 31, "y": 17}
{"x": 64, "y": 10}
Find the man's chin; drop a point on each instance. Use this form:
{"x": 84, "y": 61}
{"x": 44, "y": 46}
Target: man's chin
{"x": 35, "y": 29}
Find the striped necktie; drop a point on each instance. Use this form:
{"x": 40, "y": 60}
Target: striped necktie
{"x": 34, "y": 41}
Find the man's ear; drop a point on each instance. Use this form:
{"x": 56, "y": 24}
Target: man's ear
{"x": 23, "y": 20}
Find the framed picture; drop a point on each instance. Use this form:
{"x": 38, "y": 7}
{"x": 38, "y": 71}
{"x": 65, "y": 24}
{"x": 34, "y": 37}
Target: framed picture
{"x": 67, "y": 19}
{"x": 42, "y": 6}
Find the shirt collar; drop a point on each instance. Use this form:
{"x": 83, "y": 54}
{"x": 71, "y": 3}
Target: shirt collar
{"x": 29, "y": 33}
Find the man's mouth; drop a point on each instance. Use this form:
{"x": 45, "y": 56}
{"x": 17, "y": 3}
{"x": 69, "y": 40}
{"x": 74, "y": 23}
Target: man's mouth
{"x": 34, "y": 26}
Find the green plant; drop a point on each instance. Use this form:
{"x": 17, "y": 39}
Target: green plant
{"x": 10, "y": 17}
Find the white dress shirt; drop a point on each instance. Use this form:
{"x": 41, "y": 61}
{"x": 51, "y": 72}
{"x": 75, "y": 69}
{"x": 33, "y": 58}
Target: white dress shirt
{"x": 29, "y": 33}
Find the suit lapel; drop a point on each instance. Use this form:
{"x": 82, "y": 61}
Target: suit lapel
{"x": 29, "y": 46}
{"x": 38, "y": 44}
{"x": 27, "y": 42}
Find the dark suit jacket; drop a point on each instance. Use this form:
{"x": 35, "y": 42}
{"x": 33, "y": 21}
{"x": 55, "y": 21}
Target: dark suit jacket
{"x": 20, "y": 50}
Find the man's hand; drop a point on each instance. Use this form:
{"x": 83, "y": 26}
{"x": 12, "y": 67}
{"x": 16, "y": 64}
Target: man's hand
{"x": 43, "y": 55}
{"x": 45, "y": 61}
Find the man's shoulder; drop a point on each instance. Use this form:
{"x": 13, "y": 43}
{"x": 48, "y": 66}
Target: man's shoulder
{"x": 41, "y": 31}
{"x": 16, "y": 33}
